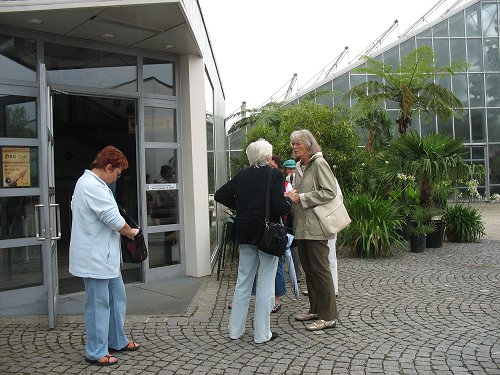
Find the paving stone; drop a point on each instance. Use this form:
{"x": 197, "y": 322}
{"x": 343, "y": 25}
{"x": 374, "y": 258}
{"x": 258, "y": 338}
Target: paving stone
{"x": 429, "y": 313}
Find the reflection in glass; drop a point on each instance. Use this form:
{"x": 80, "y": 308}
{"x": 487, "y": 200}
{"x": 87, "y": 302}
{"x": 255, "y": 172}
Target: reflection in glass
{"x": 18, "y": 166}
{"x": 164, "y": 249}
{"x": 473, "y": 20}
{"x": 478, "y": 125}
{"x": 210, "y": 134}
{"x": 492, "y": 89}
{"x": 159, "y": 124}
{"x": 17, "y": 58}
{"x": 457, "y": 24}
{"x": 211, "y": 172}
{"x": 21, "y": 267}
{"x": 457, "y": 49}
{"x": 491, "y": 54}
{"x": 158, "y": 77}
{"x": 164, "y": 207}
{"x": 476, "y": 90}
{"x": 18, "y": 116}
{"x": 459, "y": 84}
{"x": 474, "y": 55}
{"x": 494, "y": 124}
{"x": 162, "y": 197}
{"x": 490, "y": 19}
{"x": 70, "y": 65}
{"x": 17, "y": 217}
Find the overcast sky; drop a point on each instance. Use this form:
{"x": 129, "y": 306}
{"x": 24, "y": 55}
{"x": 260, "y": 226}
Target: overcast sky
{"x": 260, "y": 44}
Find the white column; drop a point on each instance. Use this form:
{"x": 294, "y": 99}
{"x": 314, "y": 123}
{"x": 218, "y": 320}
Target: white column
{"x": 194, "y": 166}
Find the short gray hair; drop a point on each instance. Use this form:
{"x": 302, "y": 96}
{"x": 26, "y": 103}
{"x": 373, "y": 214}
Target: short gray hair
{"x": 305, "y": 137}
{"x": 259, "y": 153}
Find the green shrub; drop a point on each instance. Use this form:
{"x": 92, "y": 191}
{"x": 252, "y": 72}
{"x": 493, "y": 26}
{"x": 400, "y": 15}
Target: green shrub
{"x": 463, "y": 224}
{"x": 376, "y": 226}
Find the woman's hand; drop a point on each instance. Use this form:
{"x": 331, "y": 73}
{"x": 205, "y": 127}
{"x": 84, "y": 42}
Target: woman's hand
{"x": 129, "y": 232}
{"x": 294, "y": 196}
{"x": 134, "y": 232}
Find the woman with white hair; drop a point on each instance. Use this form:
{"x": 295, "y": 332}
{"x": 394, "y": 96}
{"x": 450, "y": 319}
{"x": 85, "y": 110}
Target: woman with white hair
{"x": 246, "y": 193}
{"x": 315, "y": 185}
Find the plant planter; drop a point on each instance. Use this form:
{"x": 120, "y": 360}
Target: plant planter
{"x": 405, "y": 232}
{"x": 436, "y": 238}
{"x": 361, "y": 253}
{"x": 417, "y": 243}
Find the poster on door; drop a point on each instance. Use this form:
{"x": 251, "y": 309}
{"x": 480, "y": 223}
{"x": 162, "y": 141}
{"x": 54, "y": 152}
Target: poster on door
{"x": 16, "y": 166}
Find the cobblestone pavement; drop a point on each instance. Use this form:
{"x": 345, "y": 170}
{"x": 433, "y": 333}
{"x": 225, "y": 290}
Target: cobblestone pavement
{"x": 437, "y": 312}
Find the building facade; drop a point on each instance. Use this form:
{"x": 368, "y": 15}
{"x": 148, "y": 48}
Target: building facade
{"x": 76, "y": 76}
{"x": 469, "y": 33}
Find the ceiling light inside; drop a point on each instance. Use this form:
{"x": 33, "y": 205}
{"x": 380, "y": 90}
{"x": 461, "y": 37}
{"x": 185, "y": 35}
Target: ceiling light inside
{"x": 108, "y": 35}
{"x": 34, "y": 21}
{"x": 169, "y": 46}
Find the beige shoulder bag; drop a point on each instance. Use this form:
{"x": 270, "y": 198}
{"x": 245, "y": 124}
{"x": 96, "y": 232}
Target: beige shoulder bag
{"x": 332, "y": 215}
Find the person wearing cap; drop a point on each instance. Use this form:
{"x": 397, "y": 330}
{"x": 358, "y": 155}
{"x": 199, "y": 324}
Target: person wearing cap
{"x": 289, "y": 171}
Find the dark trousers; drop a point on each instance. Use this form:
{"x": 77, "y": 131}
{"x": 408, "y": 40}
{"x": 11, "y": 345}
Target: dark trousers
{"x": 314, "y": 259}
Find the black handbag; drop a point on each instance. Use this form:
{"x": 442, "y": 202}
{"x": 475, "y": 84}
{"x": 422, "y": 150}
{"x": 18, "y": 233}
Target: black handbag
{"x": 133, "y": 250}
{"x": 274, "y": 238}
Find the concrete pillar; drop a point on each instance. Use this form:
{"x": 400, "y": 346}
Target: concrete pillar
{"x": 194, "y": 166}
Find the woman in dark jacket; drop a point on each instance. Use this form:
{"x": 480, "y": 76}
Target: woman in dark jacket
{"x": 246, "y": 193}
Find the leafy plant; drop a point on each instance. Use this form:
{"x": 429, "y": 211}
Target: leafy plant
{"x": 463, "y": 224}
{"x": 411, "y": 86}
{"x": 376, "y": 226}
{"x": 431, "y": 159}
{"x": 420, "y": 223}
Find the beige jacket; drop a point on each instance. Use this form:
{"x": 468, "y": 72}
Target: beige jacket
{"x": 315, "y": 185}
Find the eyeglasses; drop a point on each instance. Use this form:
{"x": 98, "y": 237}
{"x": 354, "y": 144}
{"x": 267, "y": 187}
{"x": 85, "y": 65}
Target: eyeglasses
{"x": 118, "y": 175}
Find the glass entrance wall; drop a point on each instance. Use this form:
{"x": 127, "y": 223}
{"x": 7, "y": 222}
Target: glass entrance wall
{"x": 20, "y": 255}
{"x": 109, "y": 80}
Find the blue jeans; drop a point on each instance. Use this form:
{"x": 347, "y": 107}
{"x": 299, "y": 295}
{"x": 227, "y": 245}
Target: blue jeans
{"x": 279, "y": 281}
{"x": 251, "y": 261}
{"x": 105, "y": 307}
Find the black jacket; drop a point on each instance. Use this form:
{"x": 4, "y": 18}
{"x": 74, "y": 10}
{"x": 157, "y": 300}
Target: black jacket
{"x": 246, "y": 193}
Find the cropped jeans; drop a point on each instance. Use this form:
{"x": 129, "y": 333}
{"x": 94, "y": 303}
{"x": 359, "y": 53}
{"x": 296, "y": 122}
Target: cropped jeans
{"x": 251, "y": 261}
{"x": 105, "y": 307}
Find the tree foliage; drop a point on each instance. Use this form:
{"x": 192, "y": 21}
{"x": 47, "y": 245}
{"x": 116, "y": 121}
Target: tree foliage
{"x": 411, "y": 86}
{"x": 332, "y": 128}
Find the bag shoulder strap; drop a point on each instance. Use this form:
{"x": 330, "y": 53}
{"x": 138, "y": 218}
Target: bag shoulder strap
{"x": 268, "y": 195}
{"x": 126, "y": 215}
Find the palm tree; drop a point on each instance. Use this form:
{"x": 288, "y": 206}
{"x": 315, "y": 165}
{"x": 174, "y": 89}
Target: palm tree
{"x": 433, "y": 158}
{"x": 411, "y": 86}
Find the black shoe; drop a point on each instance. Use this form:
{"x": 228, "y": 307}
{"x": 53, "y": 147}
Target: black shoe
{"x": 274, "y": 335}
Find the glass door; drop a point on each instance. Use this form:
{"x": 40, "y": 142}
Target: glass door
{"x": 47, "y": 217}
{"x": 163, "y": 194}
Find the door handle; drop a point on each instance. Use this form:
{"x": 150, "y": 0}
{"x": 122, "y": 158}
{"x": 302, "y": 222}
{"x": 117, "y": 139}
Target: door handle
{"x": 38, "y": 226}
{"x": 58, "y": 221}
